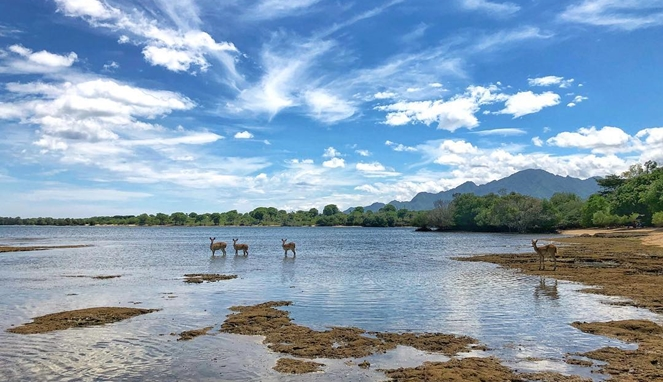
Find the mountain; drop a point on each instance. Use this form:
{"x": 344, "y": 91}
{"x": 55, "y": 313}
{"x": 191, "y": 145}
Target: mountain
{"x": 537, "y": 183}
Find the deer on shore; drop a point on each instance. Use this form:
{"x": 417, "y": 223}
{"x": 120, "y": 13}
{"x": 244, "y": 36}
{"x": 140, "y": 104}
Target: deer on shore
{"x": 217, "y": 246}
{"x": 243, "y": 247}
{"x": 549, "y": 250}
{"x": 288, "y": 246}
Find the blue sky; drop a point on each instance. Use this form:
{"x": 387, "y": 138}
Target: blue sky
{"x": 129, "y": 106}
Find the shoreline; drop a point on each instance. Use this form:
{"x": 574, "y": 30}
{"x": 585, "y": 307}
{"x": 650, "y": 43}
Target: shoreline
{"x": 621, "y": 262}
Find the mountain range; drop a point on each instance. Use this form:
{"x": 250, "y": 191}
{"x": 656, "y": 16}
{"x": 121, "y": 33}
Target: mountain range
{"x": 537, "y": 183}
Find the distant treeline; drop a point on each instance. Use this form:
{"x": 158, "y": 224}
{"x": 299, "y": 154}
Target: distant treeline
{"x": 634, "y": 197}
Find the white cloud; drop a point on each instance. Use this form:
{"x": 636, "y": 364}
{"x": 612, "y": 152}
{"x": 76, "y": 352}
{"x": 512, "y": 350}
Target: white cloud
{"x": 111, "y": 66}
{"x": 375, "y": 169}
{"x": 503, "y": 132}
{"x": 326, "y": 107}
{"x": 537, "y": 141}
{"x": 400, "y": 147}
{"x": 363, "y": 153}
{"x": 490, "y": 7}
{"x": 384, "y": 95}
{"x": 435, "y": 85}
{"x": 370, "y": 167}
{"x": 576, "y": 100}
{"x": 243, "y": 135}
{"x": 654, "y": 136}
{"x": 271, "y": 9}
{"x": 551, "y": 80}
{"x": 524, "y": 103}
{"x": 25, "y": 60}
{"x": 331, "y": 152}
{"x": 617, "y": 14}
{"x": 607, "y": 139}
{"x": 176, "y": 50}
{"x": 449, "y": 115}
{"x": 285, "y": 81}
{"x": 334, "y": 163}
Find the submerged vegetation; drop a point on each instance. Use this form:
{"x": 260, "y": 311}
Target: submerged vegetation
{"x": 633, "y": 198}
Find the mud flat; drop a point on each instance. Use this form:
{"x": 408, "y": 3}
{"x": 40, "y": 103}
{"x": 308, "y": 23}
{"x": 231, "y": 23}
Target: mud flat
{"x": 625, "y": 263}
{"x": 39, "y": 247}
{"x": 78, "y": 319}
{"x": 284, "y": 336}
{"x": 197, "y": 278}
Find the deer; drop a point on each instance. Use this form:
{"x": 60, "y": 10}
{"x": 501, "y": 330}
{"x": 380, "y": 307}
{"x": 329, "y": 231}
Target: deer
{"x": 550, "y": 250}
{"x": 221, "y": 245}
{"x": 243, "y": 247}
{"x": 288, "y": 246}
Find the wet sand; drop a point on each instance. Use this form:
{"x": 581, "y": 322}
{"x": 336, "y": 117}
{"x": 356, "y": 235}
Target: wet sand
{"x": 622, "y": 262}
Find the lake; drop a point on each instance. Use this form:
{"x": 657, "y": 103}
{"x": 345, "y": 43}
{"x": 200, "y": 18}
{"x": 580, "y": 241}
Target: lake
{"x": 377, "y": 279}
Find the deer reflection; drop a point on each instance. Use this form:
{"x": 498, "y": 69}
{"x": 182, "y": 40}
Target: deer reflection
{"x": 288, "y": 270}
{"x": 544, "y": 290}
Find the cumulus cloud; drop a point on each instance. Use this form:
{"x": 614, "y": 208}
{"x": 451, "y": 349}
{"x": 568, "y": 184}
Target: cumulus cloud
{"x": 363, "y": 153}
{"x": 606, "y": 139}
{"x": 524, "y": 103}
{"x": 449, "y": 115}
{"x": 331, "y": 152}
{"x": 21, "y": 60}
{"x": 243, "y": 135}
{"x": 537, "y": 141}
{"x": 576, "y": 100}
{"x": 334, "y": 163}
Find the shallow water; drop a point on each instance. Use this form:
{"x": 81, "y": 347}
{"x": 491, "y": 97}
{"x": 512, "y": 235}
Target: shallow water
{"x": 376, "y": 279}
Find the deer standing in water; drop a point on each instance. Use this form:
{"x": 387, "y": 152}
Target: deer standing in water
{"x": 288, "y": 246}
{"x": 217, "y": 246}
{"x": 243, "y": 247}
{"x": 549, "y": 250}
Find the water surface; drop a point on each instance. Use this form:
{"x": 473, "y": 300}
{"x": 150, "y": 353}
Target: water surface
{"x": 376, "y": 279}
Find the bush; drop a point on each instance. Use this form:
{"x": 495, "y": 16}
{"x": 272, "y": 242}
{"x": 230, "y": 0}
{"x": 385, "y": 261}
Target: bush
{"x": 657, "y": 219}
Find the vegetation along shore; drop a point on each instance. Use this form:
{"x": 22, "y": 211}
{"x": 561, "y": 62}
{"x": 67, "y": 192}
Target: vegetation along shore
{"x": 633, "y": 198}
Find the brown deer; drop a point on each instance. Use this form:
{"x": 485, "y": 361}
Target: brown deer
{"x": 288, "y": 246}
{"x": 550, "y": 250}
{"x": 217, "y": 246}
{"x": 243, "y": 247}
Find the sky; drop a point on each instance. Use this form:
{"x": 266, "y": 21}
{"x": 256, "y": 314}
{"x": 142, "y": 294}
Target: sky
{"x": 118, "y": 107}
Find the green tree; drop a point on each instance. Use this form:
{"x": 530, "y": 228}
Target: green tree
{"x": 330, "y": 209}
{"x": 179, "y": 218}
{"x": 442, "y": 216}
